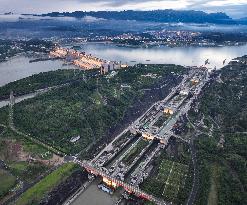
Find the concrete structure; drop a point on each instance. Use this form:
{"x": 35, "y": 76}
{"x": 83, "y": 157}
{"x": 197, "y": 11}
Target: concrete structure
{"x": 75, "y": 139}
{"x": 85, "y": 61}
{"x": 129, "y": 188}
{"x": 177, "y": 103}
{"x": 168, "y": 111}
{"x": 148, "y": 136}
{"x": 194, "y": 81}
{"x": 59, "y": 52}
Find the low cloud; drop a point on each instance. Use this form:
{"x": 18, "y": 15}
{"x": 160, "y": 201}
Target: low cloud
{"x": 235, "y": 8}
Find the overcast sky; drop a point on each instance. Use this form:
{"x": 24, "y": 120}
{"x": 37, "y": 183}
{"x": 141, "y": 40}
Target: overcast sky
{"x": 234, "y": 8}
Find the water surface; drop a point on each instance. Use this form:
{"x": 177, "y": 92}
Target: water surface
{"x": 19, "y": 67}
{"x": 94, "y": 196}
{"x": 186, "y": 56}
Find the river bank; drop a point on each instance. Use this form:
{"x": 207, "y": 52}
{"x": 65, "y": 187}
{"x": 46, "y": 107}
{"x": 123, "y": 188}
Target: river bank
{"x": 19, "y": 67}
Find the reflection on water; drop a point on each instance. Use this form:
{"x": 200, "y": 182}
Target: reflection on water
{"x": 94, "y": 196}
{"x": 19, "y": 67}
{"x": 188, "y": 56}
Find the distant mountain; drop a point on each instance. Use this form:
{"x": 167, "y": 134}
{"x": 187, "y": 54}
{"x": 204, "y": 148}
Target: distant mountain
{"x": 168, "y": 16}
{"x": 8, "y": 13}
{"x": 242, "y": 21}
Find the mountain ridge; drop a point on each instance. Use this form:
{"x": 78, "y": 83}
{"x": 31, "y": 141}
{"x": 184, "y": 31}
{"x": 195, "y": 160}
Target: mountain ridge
{"x": 164, "y": 16}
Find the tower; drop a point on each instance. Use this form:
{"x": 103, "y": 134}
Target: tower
{"x": 12, "y": 98}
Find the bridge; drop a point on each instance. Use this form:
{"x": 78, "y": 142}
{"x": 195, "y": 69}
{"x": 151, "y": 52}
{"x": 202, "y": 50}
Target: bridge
{"x": 129, "y": 188}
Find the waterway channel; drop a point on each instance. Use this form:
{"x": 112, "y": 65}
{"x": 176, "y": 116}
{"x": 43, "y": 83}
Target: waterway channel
{"x": 94, "y": 196}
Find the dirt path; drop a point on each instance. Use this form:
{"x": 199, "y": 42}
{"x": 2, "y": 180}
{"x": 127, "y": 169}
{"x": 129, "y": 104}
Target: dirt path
{"x": 213, "y": 192}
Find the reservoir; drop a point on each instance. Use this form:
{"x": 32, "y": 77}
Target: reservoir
{"x": 186, "y": 56}
{"x": 19, "y": 67}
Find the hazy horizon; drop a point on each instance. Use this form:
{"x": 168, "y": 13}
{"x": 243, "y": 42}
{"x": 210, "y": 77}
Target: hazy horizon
{"x": 233, "y": 8}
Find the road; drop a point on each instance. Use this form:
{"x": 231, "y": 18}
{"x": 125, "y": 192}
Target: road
{"x": 195, "y": 184}
{"x": 109, "y": 146}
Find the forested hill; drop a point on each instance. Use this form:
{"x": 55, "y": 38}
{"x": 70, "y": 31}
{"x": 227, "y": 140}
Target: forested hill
{"x": 226, "y": 99}
{"x": 154, "y": 16}
{"x": 222, "y": 142}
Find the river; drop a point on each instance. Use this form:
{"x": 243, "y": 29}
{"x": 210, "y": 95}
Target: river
{"x": 19, "y": 67}
{"x": 186, "y": 56}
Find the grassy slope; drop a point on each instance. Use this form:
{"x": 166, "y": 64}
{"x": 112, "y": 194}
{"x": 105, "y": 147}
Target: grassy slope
{"x": 225, "y": 103}
{"x": 180, "y": 176}
{"x": 83, "y": 108}
{"x": 38, "y": 81}
{"x": 7, "y": 182}
{"x": 4, "y": 115}
{"x": 213, "y": 193}
{"x": 25, "y": 171}
{"x": 39, "y": 190}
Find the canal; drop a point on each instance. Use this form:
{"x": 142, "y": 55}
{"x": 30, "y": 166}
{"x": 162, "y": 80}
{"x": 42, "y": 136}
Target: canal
{"x": 94, "y": 196}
